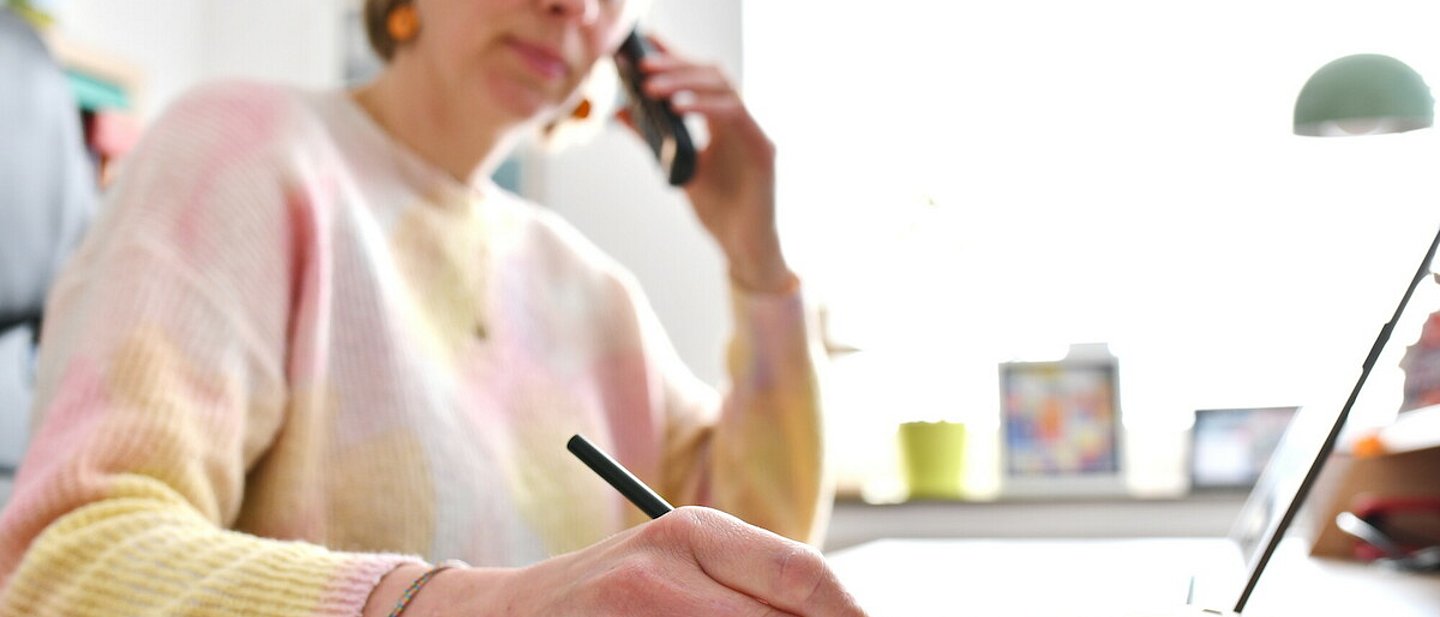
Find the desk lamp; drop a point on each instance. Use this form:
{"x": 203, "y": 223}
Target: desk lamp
{"x": 1365, "y": 94}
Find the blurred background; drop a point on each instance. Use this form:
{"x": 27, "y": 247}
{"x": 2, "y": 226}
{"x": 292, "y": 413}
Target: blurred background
{"x": 963, "y": 186}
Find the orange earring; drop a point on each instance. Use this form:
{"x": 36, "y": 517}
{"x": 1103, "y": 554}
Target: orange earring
{"x": 402, "y": 23}
{"x": 582, "y": 111}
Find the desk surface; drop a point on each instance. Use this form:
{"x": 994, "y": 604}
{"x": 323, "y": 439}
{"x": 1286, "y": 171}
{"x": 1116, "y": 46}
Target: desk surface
{"x": 1081, "y": 578}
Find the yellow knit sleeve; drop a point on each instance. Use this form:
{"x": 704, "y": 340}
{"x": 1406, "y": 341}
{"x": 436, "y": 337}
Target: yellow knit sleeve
{"x": 142, "y": 552}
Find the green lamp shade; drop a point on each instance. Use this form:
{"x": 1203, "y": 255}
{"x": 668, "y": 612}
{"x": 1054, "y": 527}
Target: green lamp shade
{"x": 1363, "y": 94}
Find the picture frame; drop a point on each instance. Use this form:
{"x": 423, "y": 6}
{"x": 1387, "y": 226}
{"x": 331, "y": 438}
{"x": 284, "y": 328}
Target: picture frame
{"x": 1229, "y": 447}
{"x": 1061, "y": 428}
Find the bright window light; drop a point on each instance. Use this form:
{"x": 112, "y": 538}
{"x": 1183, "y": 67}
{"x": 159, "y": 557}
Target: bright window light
{"x": 967, "y": 183}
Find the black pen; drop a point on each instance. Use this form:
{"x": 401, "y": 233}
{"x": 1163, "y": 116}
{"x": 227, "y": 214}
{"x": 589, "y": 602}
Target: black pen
{"x": 619, "y": 477}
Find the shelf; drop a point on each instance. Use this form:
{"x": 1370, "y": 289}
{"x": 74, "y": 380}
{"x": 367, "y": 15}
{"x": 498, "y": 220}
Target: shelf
{"x": 1417, "y": 429}
{"x": 1209, "y": 515}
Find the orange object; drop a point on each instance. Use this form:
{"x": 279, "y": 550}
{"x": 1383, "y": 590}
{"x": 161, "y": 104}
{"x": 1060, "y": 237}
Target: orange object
{"x": 402, "y": 23}
{"x": 1369, "y": 445}
{"x": 582, "y": 110}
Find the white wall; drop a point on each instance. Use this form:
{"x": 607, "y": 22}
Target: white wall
{"x": 161, "y": 37}
{"x": 178, "y": 43}
{"x": 282, "y": 40}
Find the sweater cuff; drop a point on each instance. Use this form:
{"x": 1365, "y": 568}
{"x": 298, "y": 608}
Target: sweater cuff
{"x": 356, "y": 579}
{"x": 769, "y": 328}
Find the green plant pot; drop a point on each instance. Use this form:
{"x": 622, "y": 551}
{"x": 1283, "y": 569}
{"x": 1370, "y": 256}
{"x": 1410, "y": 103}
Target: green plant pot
{"x": 934, "y": 459}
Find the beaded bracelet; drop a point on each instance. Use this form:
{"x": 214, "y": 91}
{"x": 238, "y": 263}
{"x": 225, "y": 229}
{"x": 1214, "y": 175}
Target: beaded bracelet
{"x": 414, "y": 587}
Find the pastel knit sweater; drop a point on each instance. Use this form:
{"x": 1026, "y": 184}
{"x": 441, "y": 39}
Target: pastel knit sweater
{"x": 293, "y": 355}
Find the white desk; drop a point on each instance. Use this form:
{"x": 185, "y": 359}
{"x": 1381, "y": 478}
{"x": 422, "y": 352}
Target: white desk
{"x": 1083, "y": 578}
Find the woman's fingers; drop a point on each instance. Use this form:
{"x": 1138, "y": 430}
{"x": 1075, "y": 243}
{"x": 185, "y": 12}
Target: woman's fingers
{"x": 695, "y": 78}
{"x": 693, "y": 561}
{"x": 781, "y": 573}
{"x": 658, "y": 43}
{"x": 710, "y": 105}
{"x": 696, "y": 89}
{"x": 642, "y": 585}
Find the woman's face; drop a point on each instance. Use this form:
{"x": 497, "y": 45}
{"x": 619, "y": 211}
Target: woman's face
{"x": 526, "y": 58}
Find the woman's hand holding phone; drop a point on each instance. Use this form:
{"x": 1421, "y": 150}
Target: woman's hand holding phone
{"x": 733, "y": 187}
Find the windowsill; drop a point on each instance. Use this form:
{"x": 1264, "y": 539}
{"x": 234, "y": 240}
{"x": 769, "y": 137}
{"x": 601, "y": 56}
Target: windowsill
{"x": 1202, "y": 515}
{"x": 1237, "y": 495}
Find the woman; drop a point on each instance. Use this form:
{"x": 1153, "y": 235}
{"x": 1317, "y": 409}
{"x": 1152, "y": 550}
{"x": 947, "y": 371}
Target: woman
{"x": 309, "y": 345}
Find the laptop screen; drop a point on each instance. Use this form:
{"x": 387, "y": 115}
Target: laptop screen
{"x": 1286, "y": 482}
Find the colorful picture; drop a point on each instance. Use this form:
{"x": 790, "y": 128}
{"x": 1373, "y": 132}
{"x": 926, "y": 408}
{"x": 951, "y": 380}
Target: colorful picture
{"x": 1060, "y": 418}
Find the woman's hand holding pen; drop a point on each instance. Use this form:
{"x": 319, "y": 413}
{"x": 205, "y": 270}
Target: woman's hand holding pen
{"x": 694, "y": 561}
{"x": 733, "y": 190}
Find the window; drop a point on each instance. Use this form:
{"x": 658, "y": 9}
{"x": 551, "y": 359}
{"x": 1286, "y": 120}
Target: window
{"x": 968, "y": 183}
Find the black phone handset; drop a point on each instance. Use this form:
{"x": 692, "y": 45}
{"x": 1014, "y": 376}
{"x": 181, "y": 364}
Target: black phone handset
{"x": 662, "y": 128}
